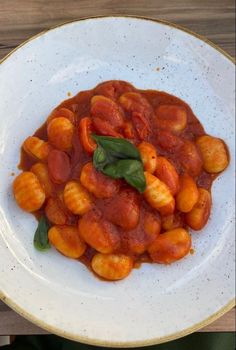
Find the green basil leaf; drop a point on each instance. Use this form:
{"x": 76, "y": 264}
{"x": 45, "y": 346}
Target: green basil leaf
{"x": 117, "y": 147}
{"x": 137, "y": 180}
{"x": 129, "y": 169}
{"x": 122, "y": 167}
{"x": 41, "y": 235}
{"x": 118, "y": 158}
{"x": 101, "y": 158}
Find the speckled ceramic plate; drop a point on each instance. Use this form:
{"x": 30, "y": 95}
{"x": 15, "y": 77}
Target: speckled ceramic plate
{"x": 156, "y": 303}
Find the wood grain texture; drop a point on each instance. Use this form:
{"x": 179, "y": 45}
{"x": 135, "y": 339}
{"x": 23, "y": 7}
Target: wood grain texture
{"x": 21, "y": 19}
{"x": 12, "y": 324}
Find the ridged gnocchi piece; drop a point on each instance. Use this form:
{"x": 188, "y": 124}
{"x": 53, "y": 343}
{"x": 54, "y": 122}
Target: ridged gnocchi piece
{"x": 158, "y": 195}
{"x": 148, "y": 155}
{"x": 41, "y": 171}
{"x": 100, "y": 185}
{"x": 170, "y": 246}
{"x": 214, "y": 153}
{"x": 85, "y": 132}
{"x": 197, "y": 218}
{"x": 55, "y": 212}
{"x": 99, "y": 233}
{"x": 124, "y": 209}
{"x": 151, "y": 225}
{"x": 66, "y": 239}
{"x": 112, "y": 266}
{"x": 188, "y": 194}
{"x": 28, "y": 192}
{"x": 166, "y": 172}
{"x": 190, "y": 158}
{"x": 106, "y": 109}
{"x": 76, "y": 198}
{"x": 62, "y": 112}
{"x": 60, "y": 133}
{"x": 36, "y": 147}
{"x": 171, "y": 117}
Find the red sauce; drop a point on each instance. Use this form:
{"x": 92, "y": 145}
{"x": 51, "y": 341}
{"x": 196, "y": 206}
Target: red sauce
{"x": 80, "y": 105}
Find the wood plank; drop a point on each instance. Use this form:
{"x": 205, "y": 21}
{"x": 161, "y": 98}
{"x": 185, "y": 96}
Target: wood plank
{"x": 20, "y": 19}
{"x": 11, "y": 323}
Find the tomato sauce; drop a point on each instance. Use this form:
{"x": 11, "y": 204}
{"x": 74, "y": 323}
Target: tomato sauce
{"x": 80, "y": 105}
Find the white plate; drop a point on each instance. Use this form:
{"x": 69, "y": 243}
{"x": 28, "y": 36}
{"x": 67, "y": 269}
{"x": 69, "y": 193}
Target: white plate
{"x": 156, "y": 303}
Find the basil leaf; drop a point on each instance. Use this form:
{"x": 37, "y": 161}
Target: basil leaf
{"x": 118, "y": 158}
{"x": 41, "y": 235}
{"x": 129, "y": 169}
{"x": 122, "y": 167}
{"x": 101, "y": 158}
{"x": 117, "y": 147}
{"x": 137, "y": 180}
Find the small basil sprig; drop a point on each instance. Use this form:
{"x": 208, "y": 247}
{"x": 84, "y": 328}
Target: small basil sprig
{"x": 118, "y": 158}
{"x": 129, "y": 169}
{"x": 41, "y": 235}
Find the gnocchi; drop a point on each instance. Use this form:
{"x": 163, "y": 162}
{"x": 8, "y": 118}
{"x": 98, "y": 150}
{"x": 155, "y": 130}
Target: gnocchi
{"x": 112, "y": 266}
{"x": 28, "y": 192}
{"x": 171, "y": 117}
{"x": 149, "y": 156}
{"x": 199, "y": 215}
{"x": 158, "y": 195}
{"x": 99, "y": 233}
{"x": 101, "y": 186}
{"x": 117, "y": 176}
{"x": 170, "y": 246}
{"x": 59, "y": 166}
{"x": 124, "y": 209}
{"x": 214, "y": 153}
{"x": 60, "y": 133}
{"x": 76, "y": 198}
{"x": 62, "y": 112}
{"x": 106, "y": 109}
{"x": 190, "y": 158}
{"x": 152, "y": 226}
{"x": 166, "y": 172}
{"x": 66, "y": 239}
{"x": 55, "y": 212}
{"x": 188, "y": 194}
{"x": 36, "y": 147}
{"x": 41, "y": 171}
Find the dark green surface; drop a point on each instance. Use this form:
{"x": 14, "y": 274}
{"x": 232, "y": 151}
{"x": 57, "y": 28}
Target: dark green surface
{"x": 196, "y": 341}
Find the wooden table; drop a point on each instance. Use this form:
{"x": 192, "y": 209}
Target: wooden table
{"x": 20, "y": 19}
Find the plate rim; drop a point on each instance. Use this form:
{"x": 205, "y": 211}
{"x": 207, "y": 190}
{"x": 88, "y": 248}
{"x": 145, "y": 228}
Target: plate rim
{"x": 86, "y": 340}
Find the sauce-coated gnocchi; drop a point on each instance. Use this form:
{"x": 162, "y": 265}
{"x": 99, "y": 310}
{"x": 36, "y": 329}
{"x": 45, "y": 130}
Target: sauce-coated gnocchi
{"x": 117, "y": 176}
